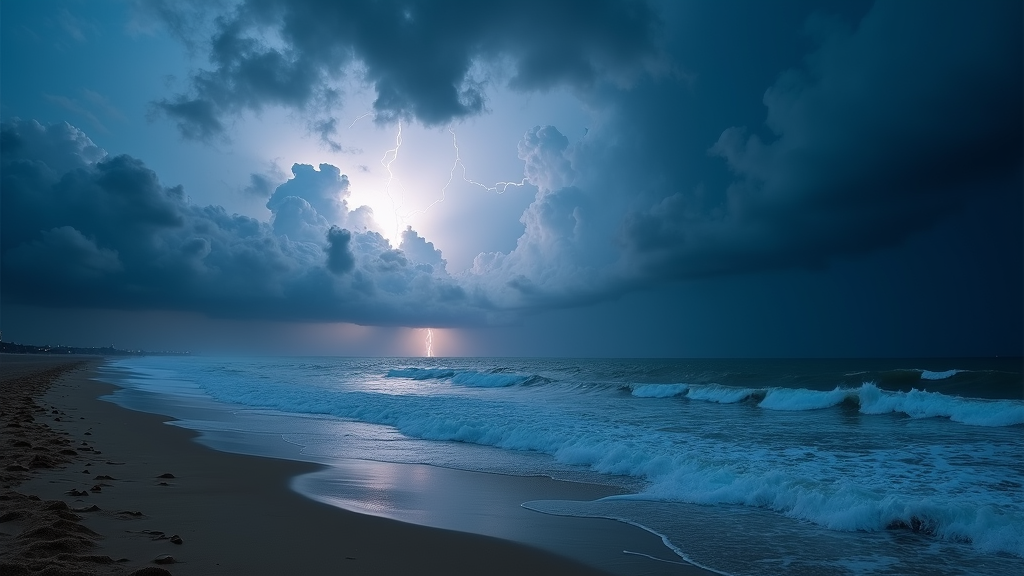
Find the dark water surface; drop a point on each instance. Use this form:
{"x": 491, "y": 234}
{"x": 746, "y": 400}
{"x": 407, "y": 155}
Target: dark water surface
{"x": 890, "y": 466}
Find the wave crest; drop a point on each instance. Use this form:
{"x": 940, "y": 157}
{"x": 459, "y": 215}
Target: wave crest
{"x": 801, "y": 399}
{"x": 421, "y": 373}
{"x": 720, "y": 394}
{"x": 494, "y": 380}
{"x": 843, "y": 507}
{"x": 924, "y": 404}
{"x": 470, "y": 378}
{"x": 929, "y": 375}
{"x": 658, "y": 390}
{"x": 869, "y": 398}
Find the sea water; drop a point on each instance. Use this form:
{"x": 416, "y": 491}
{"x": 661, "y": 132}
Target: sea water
{"x": 743, "y": 466}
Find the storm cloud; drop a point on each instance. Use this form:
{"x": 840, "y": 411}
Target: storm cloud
{"x": 892, "y": 123}
{"x": 427, "y": 61}
{"x": 889, "y": 120}
{"x": 82, "y": 228}
{"x": 887, "y": 127}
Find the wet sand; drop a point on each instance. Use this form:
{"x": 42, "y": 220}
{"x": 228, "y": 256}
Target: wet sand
{"x": 119, "y": 490}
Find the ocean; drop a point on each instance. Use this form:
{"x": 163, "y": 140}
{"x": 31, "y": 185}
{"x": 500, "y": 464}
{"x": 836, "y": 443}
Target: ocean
{"x": 743, "y": 467}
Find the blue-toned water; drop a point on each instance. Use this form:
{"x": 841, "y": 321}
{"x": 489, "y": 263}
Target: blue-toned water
{"x": 744, "y": 466}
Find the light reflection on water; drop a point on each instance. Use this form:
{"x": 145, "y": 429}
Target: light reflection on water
{"x": 835, "y": 466}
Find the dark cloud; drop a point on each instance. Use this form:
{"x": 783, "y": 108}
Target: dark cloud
{"x": 887, "y": 127}
{"x": 260, "y": 185}
{"x": 197, "y": 118}
{"x": 104, "y": 232}
{"x": 565, "y": 256}
{"x": 64, "y": 146}
{"x": 895, "y": 120}
{"x": 429, "y": 61}
{"x": 64, "y": 253}
{"x": 327, "y": 130}
{"x": 887, "y": 120}
{"x": 339, "y": 258}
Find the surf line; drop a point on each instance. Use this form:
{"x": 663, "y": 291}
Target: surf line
{"x": 656, "y": 558}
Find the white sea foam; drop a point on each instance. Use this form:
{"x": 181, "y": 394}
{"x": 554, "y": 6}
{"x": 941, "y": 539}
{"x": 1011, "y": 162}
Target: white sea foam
{"x": 658, "y": 390}
{"x": 943, "y": 487}
{"x": 801, "y": 399}
{"x": 709, "y": 473}
{"x": 470, "y": 378}
{"x": 915, "y": 403}
{"x": 845, "y": 506}
{"x": 720, "y": 394}
{"x": 923, "y": 404}
{"x": 871, "y": 399}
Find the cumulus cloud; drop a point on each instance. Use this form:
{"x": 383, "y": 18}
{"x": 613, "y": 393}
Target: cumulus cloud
{"x": 64, "y": 146}
{"x": 565, "y": 254}
{"x": 421, "y": 252}
{"x": 324, "y": 194}
{"x": 429, "y": 61}
{"x": 83, "y": 228}
{"x": 545, "y": 152}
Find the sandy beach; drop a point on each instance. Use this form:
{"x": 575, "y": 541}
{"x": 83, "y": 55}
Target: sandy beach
{"x": 89, "y": 487}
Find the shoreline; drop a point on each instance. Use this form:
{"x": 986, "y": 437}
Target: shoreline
{"x": 235, "y": 514}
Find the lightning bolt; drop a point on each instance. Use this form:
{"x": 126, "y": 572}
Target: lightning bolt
{"x": 430, "y": 343}
{"x": 498, "y": 187}
{"x": 360, "y": 117}
{"x": 386, "y": 163}
{"x": 391, "y": 156}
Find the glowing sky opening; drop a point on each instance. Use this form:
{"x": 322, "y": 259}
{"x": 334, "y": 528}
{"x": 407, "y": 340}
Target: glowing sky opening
{"x": 413, "y": 176}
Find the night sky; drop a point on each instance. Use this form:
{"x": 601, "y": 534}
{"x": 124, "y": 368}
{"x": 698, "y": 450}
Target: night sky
{"x": 527, "y": 177}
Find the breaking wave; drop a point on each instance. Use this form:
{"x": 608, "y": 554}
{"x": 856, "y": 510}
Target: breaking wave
{"x": 924, "y": 404}
{"x": 844, "y": 506}
{"x": 469, "y": 378}
{"x": 708, "y": 471}
{"x": 658, "y": 390}
{"x": 956, "y": 488}
{"x": 869, "y": 398}
{"x": 720, "y": 394}
{"x": 800, "y": 399}
{"x": 421, "y": 373}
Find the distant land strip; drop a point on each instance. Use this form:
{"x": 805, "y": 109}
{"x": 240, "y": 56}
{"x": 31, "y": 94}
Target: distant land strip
{"x": 15, "y": 348}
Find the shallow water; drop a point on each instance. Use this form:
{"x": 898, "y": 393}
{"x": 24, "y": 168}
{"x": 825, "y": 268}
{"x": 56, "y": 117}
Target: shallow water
{"x": 806, "y": 466}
